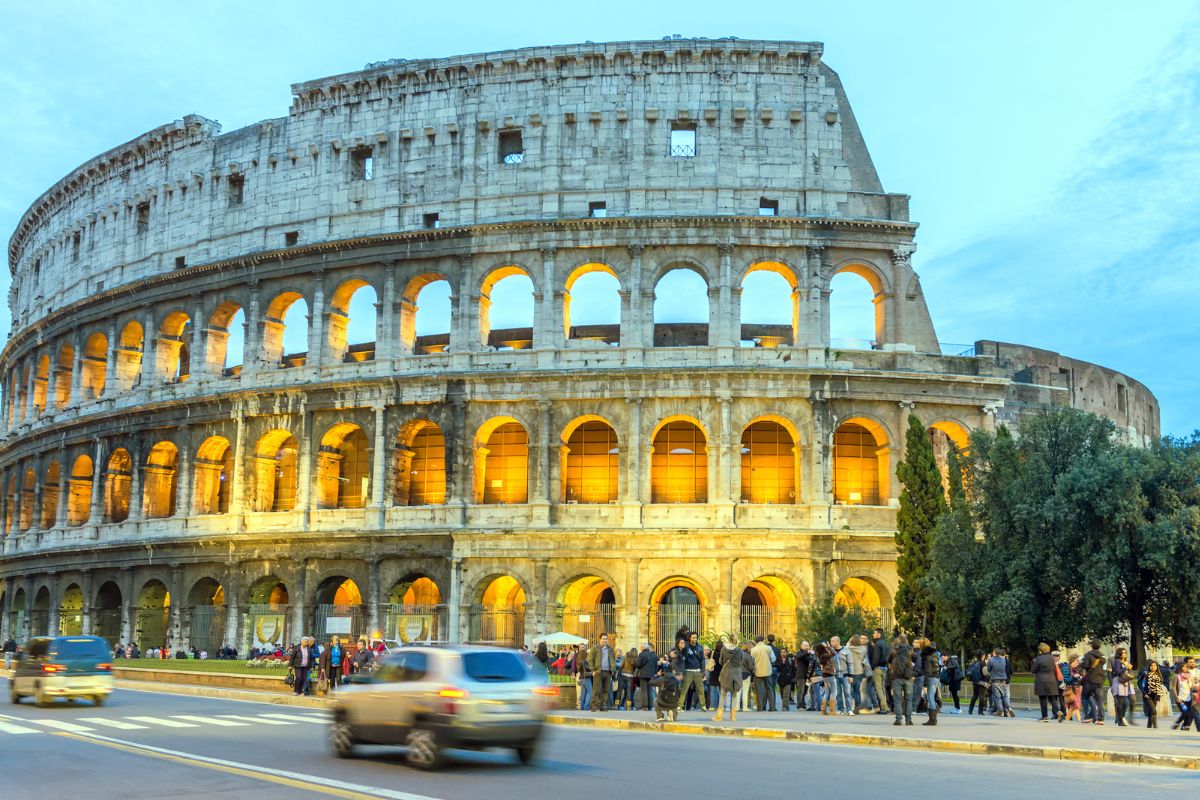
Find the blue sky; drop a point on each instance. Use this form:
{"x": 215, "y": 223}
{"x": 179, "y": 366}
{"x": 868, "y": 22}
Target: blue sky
{"x": 1051, "y": 149}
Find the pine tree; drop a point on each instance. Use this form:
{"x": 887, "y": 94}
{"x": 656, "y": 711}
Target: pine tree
{"x": 922, "y": 503}
{"x": 956, "y": 563}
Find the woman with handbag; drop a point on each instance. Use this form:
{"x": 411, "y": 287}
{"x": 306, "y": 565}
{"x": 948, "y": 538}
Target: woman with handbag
{"x": 1153, "y": 690}
{"x": 1121, "y": 677}
{"x": 1046, "y": 682}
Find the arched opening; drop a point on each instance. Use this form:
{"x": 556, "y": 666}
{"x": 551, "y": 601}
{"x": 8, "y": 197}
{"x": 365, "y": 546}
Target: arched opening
{"x": 768, "y": 605}
{"x": 41, "y": 383}
{"x": 679, "y": 464}
{"x": 158, "y": 481}
{"x": 275, "y": 462}
{"x": 860, "y": 463}
{"x": 39, "y": 615}
{"x": 152, "y": 616}
{"x": 13, "y": 395}
{"x": 681, "y": 309}
{"x": 674, "y": 604}
{"x": 106, "y": 616}
{"x": 590, "y": 463}
{"x": 10, "y": 505}
{"x": 28, "y": 495}
{"x": 770, "y": 306}
{"x": 51, "y": 487}
{"x": 416, "y": 612}
{"x": 588, "y": 608}
{"x": 426, "y": 315}
{"x": 506, "y": 309}
{"x": 93, "y": 364}
{"x": 285, "y": 330}
{"x": 18, "y": 615}
{"x": 117, "y": 478}
{"x": 499, "y": 616}
{"x": 421, "y": 466}
{"x": 62, "y": 376}
{"x": 945, "y": 437}
{"x": 352, "y": 319}
{"x": 502, "y": 462}
{"x": 225, "y": 339}
{"x": 592, "y": 305}
{"x": 130, "y": 347}
{"x": 344, "y": 468}
{"x": 21, "y": 392}
{"x": 339, "y": 610}
{"x": 856, "y": 309}
{"x": 267, "y": 618}
{"x": 770, "y": 463}
{"x": 206, "y": 615}
{"x": 213, "y": 476}
{"x": 79, "y": 501}
{"x": 174, "y": 347}
{"x": 70, "y": 612}
{"x": 867, "y": 595}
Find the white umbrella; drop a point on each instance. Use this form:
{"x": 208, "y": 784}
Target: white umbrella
{"x": 559, "y": 639}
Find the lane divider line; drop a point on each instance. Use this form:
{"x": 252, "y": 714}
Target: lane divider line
{"x": 298, "y": 718}
{"x": 69, "y": 727}
{"x": 220, "y": 723}
{"x": 163, "y": 721}
{"x": 295, "y": 780}
{"x": 10, "y": 727}
{"x": 112, "y": 723}
{"x": 256, "y": 720}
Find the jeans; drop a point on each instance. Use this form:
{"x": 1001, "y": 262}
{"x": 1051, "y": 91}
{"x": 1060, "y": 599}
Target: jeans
{"x": 829, "y": 688}
{"x": 8, "y": 660}
{"x": 856, "y": 690}
{"x": 931, "y": 695}
{"x": 879, "y": 681}
{"x": 1093, "y": 694}
{"x": 902, "y": 697}
{"x": 623, "y": 693}
{"x": 843, "y": 694}
{"x": 785, "y": 695}
{"x": 644, "y": 694}
{"x": 744, "y": 694}
{"x": 601, "y": 690}
{"x": 585, "y": 692}
{"x": 714, "y": 695}
{"x": 1001, "y": 697}
{"x": 979, "y": 691}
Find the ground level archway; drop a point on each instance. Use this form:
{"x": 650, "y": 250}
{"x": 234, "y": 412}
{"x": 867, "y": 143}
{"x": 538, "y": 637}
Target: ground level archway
{"x": 338, "y": 610}
{"x": 416, "y": 612}
{"x": 206, "y": 618}
{"x": 498, "y": 617}
{"x": 675, "y": 604}
{"x": 587, "y": 608}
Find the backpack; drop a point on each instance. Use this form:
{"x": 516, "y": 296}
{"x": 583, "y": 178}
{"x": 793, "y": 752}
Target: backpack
{"x": 975, "y": 672}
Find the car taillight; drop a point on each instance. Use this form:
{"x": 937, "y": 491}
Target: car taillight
{"x": 104, "y": 667}
{"x": 448, "y": 695}
{"x": 52, "y": 668}
{"x": 546, "y": 691}
{"x": 453, "y": 694}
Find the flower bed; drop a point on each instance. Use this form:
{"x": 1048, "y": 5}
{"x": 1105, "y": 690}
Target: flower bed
{"x": 268, "y": 666}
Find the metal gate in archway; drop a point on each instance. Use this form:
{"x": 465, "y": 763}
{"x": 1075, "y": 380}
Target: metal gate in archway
{"x": 504, "y": 628}
{"x": 417, "y": 623}
{"x": 665, "y": 620}
{"x": 106, "y": 623}
{"x": 590, "y": 622}
{"x": 70, "y": 623}
{"x": 150, "y": 626}
{"x": 207, "y": 628}
{"x": 39, "y": 623}
{"x": 345, "y": 622}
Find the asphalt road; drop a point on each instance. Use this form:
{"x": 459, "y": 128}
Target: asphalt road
{"x": 154, "y": 744}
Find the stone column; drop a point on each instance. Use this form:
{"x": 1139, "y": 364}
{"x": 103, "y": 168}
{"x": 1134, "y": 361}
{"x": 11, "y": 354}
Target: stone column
{"x": 304, "y": 457}
{"x": 184, "y": 482}
{"x": 30, "y": 384}
{"x": 387, "y": 338}
{"x": 541, "y": 587}
{"x": 6, "y": 593}
{"x": 546, "y": 335}
{"x": 52, "y": 624}
{"x": 724, "y": 326}
{"x": 127, "y": 605}
{"x": 96, "y": 513}
{"x": 459, "y": 447}
{"x": 252, "y": 337}
{"x": 379, "y": 459}
{"x": 175, "y": 635}
{"x": 233, "y": 616}
{"x": 137, "y": 455}
{"x": 76, "y": 371}
{"x": 237, "y": 493}
{"x": 85, "y": 611}
{"x": 39, "y": 486}
{"x": 728, "y": 603}
{"x": 454, "y": 610}
{"x": 462, "y": 336}
{"x": 633, "y": 602}
{"x": 299, "y": 604}
{"x": 317, "y": 323}
{"x": 374, "y": 590}
{"x": 541, "y": 494}
{"x": 64, "y": 490}
{"x": 632, "y": 465}
{"x": 114, "y": 351}
{"x": 28, "y": 627}
{"x": 198, "y": 366}
{"x": 633, "y": 313}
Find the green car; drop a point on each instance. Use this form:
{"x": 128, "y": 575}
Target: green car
{"x": 62, "y": 666}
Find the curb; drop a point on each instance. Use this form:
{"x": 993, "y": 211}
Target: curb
{"x": 869, "y": 740}
{"x": 272, "y": 698}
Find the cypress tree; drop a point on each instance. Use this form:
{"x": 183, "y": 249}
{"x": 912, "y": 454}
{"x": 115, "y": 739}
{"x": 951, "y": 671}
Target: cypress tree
{"x": 922, "y": 503}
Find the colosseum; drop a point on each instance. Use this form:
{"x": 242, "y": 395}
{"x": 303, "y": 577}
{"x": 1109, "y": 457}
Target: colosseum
{"x": 197, "y": 449}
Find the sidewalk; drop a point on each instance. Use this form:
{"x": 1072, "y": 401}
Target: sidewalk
{"x": 1022, "y": 736}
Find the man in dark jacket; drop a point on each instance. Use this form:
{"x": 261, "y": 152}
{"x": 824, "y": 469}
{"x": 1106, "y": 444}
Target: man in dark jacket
{"x": 931, "y": 666}
{"x": 692, "y": 662}
{"x": 602, "y": 659}
{"x": 1093, "y": 682}
{"x": 647, "y": 668}
{"x": 877, "y": 657}
{"x": 900, "y": 670}
{"x": 804, "y": 671}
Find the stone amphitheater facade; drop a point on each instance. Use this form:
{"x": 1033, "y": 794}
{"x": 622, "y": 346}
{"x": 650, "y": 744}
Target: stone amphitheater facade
{"x": 484, "y": 484}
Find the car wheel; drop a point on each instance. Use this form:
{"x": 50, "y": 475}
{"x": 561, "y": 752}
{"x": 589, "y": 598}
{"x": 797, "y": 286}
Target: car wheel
{"x": 41, "y": 698}
{"x": 424, "y": 750}
{"x": 526, "y": 752}
{"x": 340, "y": 739}
{"x": 98, "y": 700}
{"x": 12, "y": 692}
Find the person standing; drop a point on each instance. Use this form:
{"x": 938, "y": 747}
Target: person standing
{"x": 1121, "y": 681}
{"x": 301, "y": 662}
{"x": 804, "y": 673}
{"x": 787, "y": 678}
{"x": 602, "y": 662}
{"x": 761, "y": 653}
{"x": 583, "y": 678}
{"x": 842, "y": 667}
{"x": 1152, "y": 692}
{"x": 878, "y": 654}
{"x": 1093, "y": 683}
{"x": 692, "y": 658}
{"x": 1072, "y": 687}
{"x": 858, "y": 673}
{"x": 330, "y": 663}
{"x": 931, "y": 667}
{"x": 952, "y": 677}
{"x": 626, "y": 680}
{"x": 1045, "y": 683}
{"x": 713, "y": 675}
{"x": 999, "y": 673}
{"x": 900, "y": 670}
{"x": 647, "y": 668}
{"x": 730, "y": 679}
{"x": 774, "y": 687}
{"x": 10, "y": 650}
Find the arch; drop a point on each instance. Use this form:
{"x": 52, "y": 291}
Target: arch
{"x": 682, "y": 309}
{"x": 338, "y": 609}
{"x": 499, "y": 617}
{"x": 861, "y": 462}
{"x": 275, "y": 471}
{"x": 415, "y": 590}
{"x": 286, "y": 313}
{"x": 117, "y": 478}
{"x": 41, "y": 384}
{"x": 130, "y": 348}
{"x": 93, "y": 366}
{"x": 206, "y": 618}
{"x": 426, "y": 315}
{"x": 51, "y": 487}
{"x": 159, "y": 480}
{"x": 224, "y": 338}
{"x": 39, "y": 613}
{"x": 152, "y": 615}
{"x": 28, "y": 495}
{"x": 213, "y": 476}
{"x": 79, "y": 499}
{"x": 954, "y": 431}
{"x": 868, "y": 594}
{"x": 106, "y": 614}
{"x": 351, "y": 336}
{"x": 770, "y": 305}
{"x": 173, "y": 350}
{"x": 501, "y": 462}
{"x": 206, "y": 592}
{"x": 675, "y": 603}
{"x": 21, "y": 392}
{"x": 598, "y": 318}
{"x": 513, "y": 315}
{"x": 679, "y": 462}
{"x": 588, "y": 607}
{"x": 268, "y": 590}
{"x": 768, "y": 605}
{"x": 415, "y": 611}
{"x": 590, "y": 461}
{"x": 421, "y": 465}
{"x": 70, "y": 611}
{"x": 63, "y": 370}
{"x": 343, "y": 477}
{"x": 846, "y": 319}
{"x": 18, "y": 613}
{"x": 945, "y": 436}
{"x": 770, "y": 462}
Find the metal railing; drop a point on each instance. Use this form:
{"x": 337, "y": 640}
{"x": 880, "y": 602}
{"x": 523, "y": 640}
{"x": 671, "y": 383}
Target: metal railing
{"x": 417, "y": 623}
{"x": 589, "y": 622}
{"x": 951, "y": 349}
{"x": 505, "y": 628}
{"x": 683, "y": 151}
{"x": 514, "y": 158}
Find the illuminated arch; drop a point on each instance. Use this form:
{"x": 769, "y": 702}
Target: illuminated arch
{"x": 431, "y": 342}
{"x": 338, "y": 346}
{"x": 415, "y": 611}
{"x": 590, "y": 464}
{"x": 130, "y": 349}
{"x": 343, "y": 477}
{"x": 490, "y": 280}
{"x": 501, "y": 616}
{"x": 763, "y": 333}
{"x": 70, "y": 612}
{"x": 868, "y": 594}
{"x": 275, "y": 463}
{"x": 93, "y": 366}
{"x": 41, "y": 384}
{"x": 861, "y": 462}
{"x": 28, "y": 489}
{"x": 420, "y": 465}
{"x": 675, "y": 602}
{"x": 51, "y": 487}
{"x": 173, "y": 350}
{"x": 679, "y": 462}
{"x": 768, "y": 605}
{"x": 63, "y": 370}
{"x": 159, "y": 480}
{"x": 770, "y": 463}
{"x": 216, "y": 340}
{"x": 501, "y": 462}
{"x": 275, "y": 327}
{"x": 877, "y": 280}
{"x": 213, "y": 476}
{"x": 588, "y": 605}
{"x": 945, "y": 436}
{"x": 79, "y": 497}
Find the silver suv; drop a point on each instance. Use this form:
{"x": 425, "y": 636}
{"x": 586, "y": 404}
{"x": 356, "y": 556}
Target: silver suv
{"x": 433, "y": 698}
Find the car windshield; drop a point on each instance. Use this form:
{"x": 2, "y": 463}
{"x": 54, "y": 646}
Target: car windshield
{"x": 81, "y": 649}
{"x": 496, "y": 667}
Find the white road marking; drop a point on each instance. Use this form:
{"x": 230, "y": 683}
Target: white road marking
{"x": 222, "y": 723}
{"x": 299, "y": 718}
{"x": 166, "y": 723}
{"x": 112, "y": 723}
{"x": 377, "y": 791}
{"x": 62, "y": 726}
{"x": 256, "y": 720}
{"x": 8, "y": 727}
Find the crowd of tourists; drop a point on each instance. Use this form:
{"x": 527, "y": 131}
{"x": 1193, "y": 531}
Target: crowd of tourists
{"x": 315, "y": 668}
{"x": 870, "y": 674}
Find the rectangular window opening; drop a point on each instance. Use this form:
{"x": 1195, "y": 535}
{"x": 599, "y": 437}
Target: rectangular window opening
{"x": 683, "y": 140}
{"x": 75, "y": 243}
{"x": 291, "y": 238}
{"x": 180, "y": 262}
{"x": 142, "y": 223}
{"x": 362, "y": 164}
{"x": 598, "y": 209}
{"x": 236, "y": 186}
{"x": 768, "y": 208}
{"x": 512, "y": 149}
{"x": 431, "y": 221}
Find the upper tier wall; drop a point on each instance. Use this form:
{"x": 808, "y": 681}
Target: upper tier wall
{"x": 595, "y": 125}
